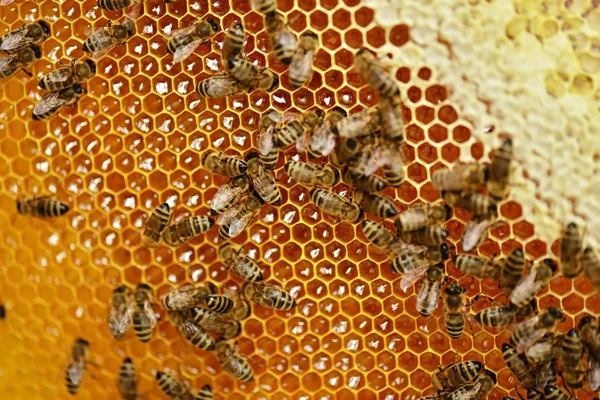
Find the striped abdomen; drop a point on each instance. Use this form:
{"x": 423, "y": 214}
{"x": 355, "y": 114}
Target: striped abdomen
{"x": 455, "y": 324}
{"x": 114, "y": 4}
{"x": 220, "y": 303}
{"x": 142, "y": 326}
{"x": 290, "y": 133}
{"x": 42, "y": 207}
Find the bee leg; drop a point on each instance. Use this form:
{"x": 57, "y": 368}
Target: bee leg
{"x": 27, "y": 72}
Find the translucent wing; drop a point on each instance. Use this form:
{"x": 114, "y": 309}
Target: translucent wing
{"x": 228, "y": 216}
{"x": 525, "y": 286}
{"x": 103, "y": 41}
{"x": 302, "y": 62}
{"x": 411, "y": 277}
{"x": 226, "y": 194}
{"x": 376, "y": 159}
{"x": 429, "y": 296}
{"x": 150, "y": 313}
{"x": 50, "y": 101}
{"x": 8, "y": 63}
{"x": 240, "y": 224}
{"x": 323, "y": 140}
{"x": 135, "y": 10}
{"x": 185, "y": 51}
{"x": 75, "y": 372}
{"x": 400, "y": 247}
{"x": 593, "y": 372}
{"x": 5, "y": 2}
{"x": 15, "y": 40}
{"x": 475, "y": 232}
{"x": 303, "y": 141}
{"x": 264, "y": 182}
{"x": 119, "y": 319}
{"x": 265, "y": 140}
{"x": 181, "y": 31}
{"x": 62, "y": 75}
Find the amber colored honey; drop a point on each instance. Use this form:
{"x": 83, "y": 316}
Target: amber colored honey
{"x": 135, "y": 141}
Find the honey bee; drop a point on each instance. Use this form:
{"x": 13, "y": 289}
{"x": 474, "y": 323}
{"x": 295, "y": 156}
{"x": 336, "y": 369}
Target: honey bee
{"x": 283, "y": 42}
{"x": 367, "y": 65}
{"x": 512, "y": 271}
{"x": 232, "y": 362}
{"x": 300, "y": 129}
{"x": 483, "y": 385}
{"x": 555, "y": 393}
{"x": 301, "y": 66}
{"x": 571, "y": 349}
{"x": 461, "y": 177}
{"x": 102, "y": 40}
{"x": 173, "y": 388}
{"x": 456, "y": 375}
{"x": 428, "y": 236}
{"x": 475, "y": 202}
{"x": 476, "y": 231}
{"x": 184, "y": 41}
{"x": 213, "y": 322}
{"x": 187, "y": 328}
{"x": 36, "y": 32}
{"x": 323, "y": 140}
{"x": 240, "y": 265}
{"x": 262, "y": 180}
{"x": 454, "y": 308}
{"x": 233, "y": 43}
{"x": 336, "y": 205}
{"x": 127, "y": 382}
{"x": 591, "y": 267}
{"x": 186, "y": 229}
{"x": 392, "y": 122}
{"x": 499, "y": 316}
{"x": 62, "y": 78}
{"x": 267, "y": 143}
{"x": 251, "y": 75}
{"x": 52, "y": 102}
{"x": 156, "y": 224}
{"x": 364, "y": 123}
{"x": 229, "y": 304}
{"x": 142, "y": 314}
{"x": 535, "y": 328}
{"x": 19, "y": 60}
{"x": 376, "y": 204}
{"x": 590, "y": 336}
{"x": 518, "y": 365}
{"x": 393, "y": 170}
{"x": 312, "y": 174}
{"x": 570, "y": 248}
{"x": 546, "y": 374}
{"x": 219, "y": 303}
{"x": 233, "y": 221}
{"x": 188, "y": 296}
{"x": 542, "y": 351}
{"x": 377, "y": 234}
{"x": 268, "y": 296}
{"x": 228, "y": 194}
{"x": 422, "y": 215}
{"x": 345, "y": 151}
{"x": 413, "y": 261}
{"x": 430, "y": 289}
{"x": 265, "y": 7}
{"x": 119, "y": 318}
{"x": 478, "y": 267}
{"x": 370, "y": 183}
{"x": 78, "y": 361}
{"x": 41, "y": 207}
{"x": 221, "y": 164}
{"x": 220, "y": 85}
{"x": 497, "y": 185}
{"x": 529, "y": 285}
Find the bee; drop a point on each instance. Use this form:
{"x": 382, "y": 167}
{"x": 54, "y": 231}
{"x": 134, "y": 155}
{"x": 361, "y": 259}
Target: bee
{"x": 186, "y": 229}
{"x": 512, "y": 271}
{"x": 454, "y": 308}
{"x": 228, "y": 194}
{"x": 428, "y": 236}
{"x": 346, "y": 150}
{"x": 268, "y": 296}
{"x": 301, "y": 65}
{"x": 283, "y": 42}
{"x": 184, "y": 42}
{"x": 187, "y": 328}
{"x": 262, "y": 180}
{"x": 233, "y": 221}
{"x": 456, "y": 375}
{"x": 535, "y": 328}
{"x": 233, "y": 43}
{"x": 156, "y": 224}
{"x": 475, "y": 202}
{"x": 430, "y": 289}
{"x": 323, "y": 140}
{"x": 461, "y": 177}
{"x": 240, "y": 265}
{"x": 392, "y": 122}
{"x": 265, "y": 7}
{"x": 411, "y": 261}
{"x": 188, "y": 296}
{"x": 422, "y": 215}
{"x": 364, "y": 123}
{"x": 570, "y": 248}
{"x": 127, "y": 382}
{"x": 476, "y": 266}
{"x": 232, "y": 362}
{"x": 62, "y": 78}
{"x": 572, "y": 349}
{"x": 367, "y": 65}
{"x": 543, "y": 351}
{"x": 312, "y": 174}
{"x": 478, "y": 390}
{"x": 370, "y": 183}
{"x": 377, "y": 234}
{"x": 78, "y": 361}
{"x": 229, "y": 304}
{"x": 518, "y": 365}
{"x": 251, "y": 75}
{"x": 36, "y": 32}
{"x": 336, "y": 205}
{"x": 2, "y": 312}
{"x": 119, "y": 317}
{"x": 213, "y": 322}
{"x": 497, "y": 185}
{"x": 142, "y": 314}
{"x": 173, "y": 388}
{"x": 104, "y": 39}
{"x": 555, "y": 393}
{"x": 376, "y": 204}
{"x": 267, "y": 143}
{"x": 476, "y": 231}
{"x": 299, "y": 128}
{"x": 220, "y": 164}
{"x": 545, "y": 375}
{"x": 220, "y": 85}
{"x": 205, "y": 393}
{"x": 41, "y": 207}
{"x": 499, "y": 316}
{"x": 591, "y": 267}
{"x": 588, "y": 328}
{"x": 529, "y": 285}
{"x": 393, "y": 170}
{"x": 52, "y": 102}
{"x": 19, "y": 60}
{"x": 219, "y": 303}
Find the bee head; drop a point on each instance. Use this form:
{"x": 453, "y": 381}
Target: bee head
{"x": 556, "y": 313}
{"x": 82, "y": 342}
{"x": 45, "y": 27}
{"x": 128, "y": 361}
{"x": 550, "y": 263}
{"x": 250, "y": 156}
{"x": 143, "y": 286}
{"x": 213, "y": 24}
{"x": 444, "y": 251}
{"x": 78, "y": 89}
{"x": 160, "y": 374}
{"x": 238, "y": 26}
{"x": 454, "y": 290}
{"x": 165, "y": 207}
{"x": 121, "y": 289}
{"x": 572, "y": 226}
{"x": 585, "y": 321}
{"x": 361, "y": 51}
{"x": 518, "y": 252}
{"x": 36, "y": 51}
{"x": 549, "y": 391}
{"x": 506, "y": 347}
{"x": 207, "y": 388}
{"x": 310, "y": 35}
{"x": 573, "y": 333}
{"x": 339, "y": 110}
{"x": 92, "y": 66}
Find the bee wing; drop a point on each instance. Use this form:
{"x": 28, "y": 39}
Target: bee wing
{"x": 180, "y": 31}
{"x": 229, "y": 216}
{"x": 263, "y": 182}
{"x": 186, "y": 51}
{"x": 225, "y": 195}
{"x": 265, "y": 140}
{"x": 377, "y": 159}
{"x": 135, "y": 10}
{"x": 323, "y": 139}
{"x": 62, "y": 75}
{"x": 5, "y": 2}
{"x": 428, "y": 295}
{"x": 50, "y": 101}
{"x": 303, "y": 141}
{"x": 75, "y": 372}
{"x": 240, "y": 224}
{"x": 475, "y": 232}
{"x": 149, "y": 311}
{"x": 302, "y": 62}
{"x": 119, "y": 319}
{"x": 593, "y": 372}
{"x": 15, "y": 40}
{"x": 412, "y": 276}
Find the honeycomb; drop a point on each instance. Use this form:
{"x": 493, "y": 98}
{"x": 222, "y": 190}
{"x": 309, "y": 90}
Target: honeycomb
{"x": 135, "y": 140}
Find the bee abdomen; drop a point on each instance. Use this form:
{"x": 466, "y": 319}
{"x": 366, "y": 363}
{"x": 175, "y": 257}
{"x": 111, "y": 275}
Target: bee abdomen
{"x": 113, "y": 5}
{"x": 142, "y": 327}
{"x": 247, "y": 374}
{"x": 202, "y": 340}
{"x": 284, "y": 301}
{"x": 290, "y": 133}
{"x": 219, "y": 304}
{"x": 455, "y": 324}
